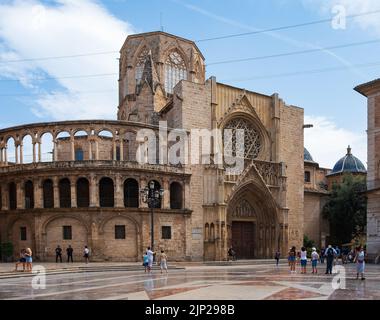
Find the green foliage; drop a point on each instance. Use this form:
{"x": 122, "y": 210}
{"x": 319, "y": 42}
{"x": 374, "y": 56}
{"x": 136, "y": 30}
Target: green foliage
{"x": 6, "y": 250}
{"x": 308, "y": 243}
{"x": 346, "y": 209}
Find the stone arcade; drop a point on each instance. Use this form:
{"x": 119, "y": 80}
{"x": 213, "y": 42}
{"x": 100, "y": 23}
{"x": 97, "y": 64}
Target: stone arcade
{"x": 81, "y": 183}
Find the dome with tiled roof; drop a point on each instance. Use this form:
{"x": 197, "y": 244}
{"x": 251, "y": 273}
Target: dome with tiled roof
{"x": 349, "y": 163}
{"x": 307, "y": 156}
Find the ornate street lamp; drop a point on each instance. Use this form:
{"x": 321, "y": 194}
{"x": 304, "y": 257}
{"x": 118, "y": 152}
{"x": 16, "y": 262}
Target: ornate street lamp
{"x": 152, "y": 197}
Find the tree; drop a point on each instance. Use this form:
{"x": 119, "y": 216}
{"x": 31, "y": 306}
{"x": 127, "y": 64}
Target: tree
{"x": 6, "y": 251}
{"x": 346, "y": 209}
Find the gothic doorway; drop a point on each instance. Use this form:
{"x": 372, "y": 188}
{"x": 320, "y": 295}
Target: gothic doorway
{"x": 252, "y": 222}
{"x": 243, "y": 235}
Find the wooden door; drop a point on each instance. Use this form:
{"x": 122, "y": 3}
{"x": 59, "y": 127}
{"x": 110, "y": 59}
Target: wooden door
{"x": 243, "y": 235}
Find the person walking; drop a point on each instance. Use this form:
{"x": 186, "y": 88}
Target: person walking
{"x": 277, "y": 256}
{"x": 337, "y": 250}
{"x": 86, "y": 254}
{"x": 329, "y": 254}
{"x": 314, "y": 260}
{"x": 360, "y": 263}
{"x": 69, "y": 252}
{"x": 28, "y": 259}
{"x": 303, "y": 259}
{"x": 322, "y": 257}
{"x": 163, "y": 261}
{"x": 145, "y": 261}
{"x": 292, "y": 259}
{"x": 58, "y": 254}
{"x": 150, "y": 254}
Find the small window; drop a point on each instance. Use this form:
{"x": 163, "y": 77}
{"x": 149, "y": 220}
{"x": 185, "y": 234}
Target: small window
{"x": 67, "y": 233}
{"x": 23, "y": 233}
{"x": 119, "y": 232}
{"x": 307, "y": 176}
{"x": 79, "y": 155}
{"x": 166, "y": 232}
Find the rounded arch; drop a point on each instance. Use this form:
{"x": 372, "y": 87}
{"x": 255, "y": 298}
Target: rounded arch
{"x": 62, "y": 216}
{"x": 176, "y": 195}
{"x": 64, "y": 186}
{"x": 106, "y": 192}
{"x": 17, "y": 219}
{"x": 27, "y": 145}
{"x": 29, "y": 194}
{"x": 79, "y": 132}
{"x": 83, "y": 192}
{"x": 122, "y": 232}
{"x": 12, "y": 195}
{"x": 46, "y": 146}
{"x": 20, "y": 232}
{"x": 123, "y": 215}
{"x": 131, "y": 193}
{"x": 48, "y": 193}
{"x": 105, "y": 133}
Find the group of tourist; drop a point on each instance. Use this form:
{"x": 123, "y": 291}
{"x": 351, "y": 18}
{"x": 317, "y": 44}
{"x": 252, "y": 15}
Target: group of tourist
{"x": 330, "y": 254}
{"x": 25, "y": 259}
{"x": 69, "y": 253}
{"x": 148, "y": 260}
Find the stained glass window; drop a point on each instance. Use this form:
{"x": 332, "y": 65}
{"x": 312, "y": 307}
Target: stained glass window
{"x": 175, "y": 70}
{"x": 252, "y": 138}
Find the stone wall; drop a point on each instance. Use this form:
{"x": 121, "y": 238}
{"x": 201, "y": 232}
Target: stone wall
{"x": 291, "y": 153}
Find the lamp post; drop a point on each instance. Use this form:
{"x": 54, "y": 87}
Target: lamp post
{"x": 152, "y": 197}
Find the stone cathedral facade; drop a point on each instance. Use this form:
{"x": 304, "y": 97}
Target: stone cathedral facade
{"x": 81, "y": 182}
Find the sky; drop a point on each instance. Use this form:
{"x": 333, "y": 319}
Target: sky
{"x": 37, "y": 84}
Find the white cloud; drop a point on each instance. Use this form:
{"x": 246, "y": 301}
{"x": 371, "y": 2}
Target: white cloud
{"x": 369, "y": 22}
{"x": 67, "y": 27}
{"x": 327, "y": 143}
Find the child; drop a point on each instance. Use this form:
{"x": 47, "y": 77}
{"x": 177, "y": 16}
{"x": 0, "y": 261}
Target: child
{"x": 314, "y": 260}
{"x": 292, "y": 259}
{"x": 145, "y": 261}
{"x": 163, "y": 261}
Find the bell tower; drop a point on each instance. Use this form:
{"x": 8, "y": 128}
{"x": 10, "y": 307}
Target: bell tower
{"x": 371, "y": 90}
{"x": 151, "y": 65}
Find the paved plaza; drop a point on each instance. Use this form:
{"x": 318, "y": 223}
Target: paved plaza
{"x": 254, "y": 281}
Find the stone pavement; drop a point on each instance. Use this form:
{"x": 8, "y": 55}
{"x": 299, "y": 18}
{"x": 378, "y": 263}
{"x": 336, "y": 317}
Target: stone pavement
{"x": 261, "y": 281}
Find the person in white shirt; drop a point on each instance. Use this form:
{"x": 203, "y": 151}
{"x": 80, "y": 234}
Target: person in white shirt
{"x": 86, "y": 254}
{"x": 150, "y": 255}
{"x": 303, "y": 259}
{"x": 314, "y": 260}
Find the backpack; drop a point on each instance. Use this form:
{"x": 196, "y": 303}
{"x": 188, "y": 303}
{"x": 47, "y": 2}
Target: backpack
{"x": 330, "y": 253}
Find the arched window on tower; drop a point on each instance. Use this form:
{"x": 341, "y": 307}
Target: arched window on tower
{"x": 48, "y": 193}
{"x": 175, "y": 196}
{"x": 175, "y": 70}
{"x": 83, "y": 193}
{"x": 29, "y": 195}
{"x": 139, "y": 68}
{"x": 106, "y": 193}
{"x": 131, "y": 193}
{"x": 64, "y": 193}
